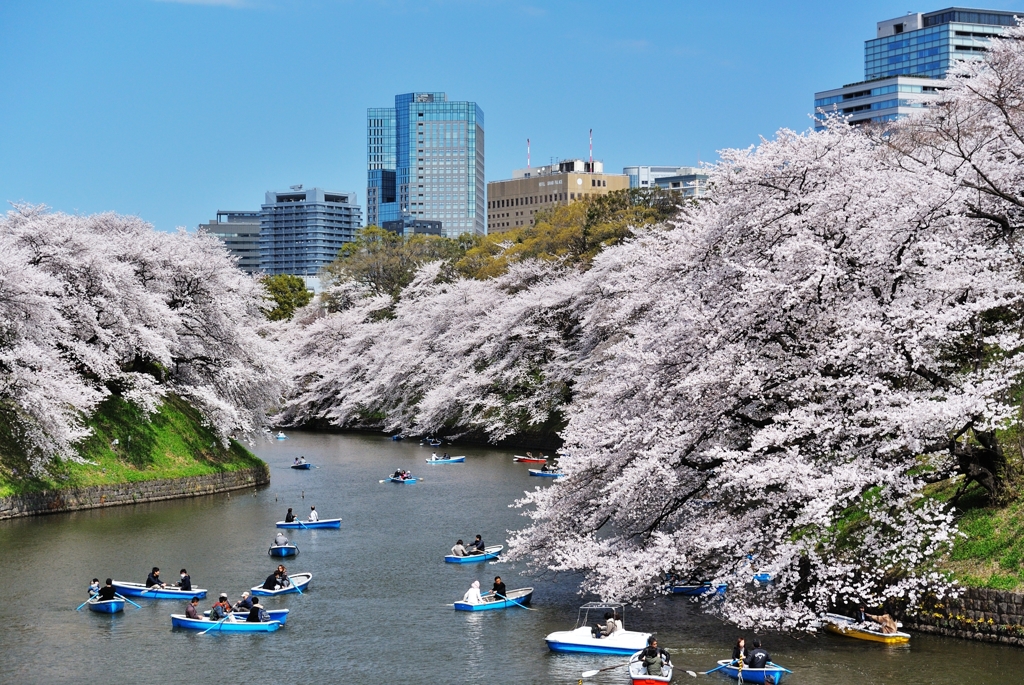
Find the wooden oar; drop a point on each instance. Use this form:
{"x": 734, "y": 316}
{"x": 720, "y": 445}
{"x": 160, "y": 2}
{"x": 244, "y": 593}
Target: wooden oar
{"x": 587, "y": 674}
{"x": 87, "y": 601}
{"x": 137, "y": 606}
{"x": 214, "y": 626}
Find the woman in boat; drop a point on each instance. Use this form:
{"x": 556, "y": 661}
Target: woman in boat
{"x": 472, "y": 595}
{"x": 499, "y": 588}
{"x": 280, "y": 540}
{"x": 313, "y": 516}
{"x": 282, "y": 575}
{"x": 606, "y": 629}
{"x": 459, "y": 550}
{"x": 889, "y": 626}
{"x": 289, "y": 517}
{"x": 296, "y": 462}
{"x": 654, "y": 657}
{"x": 94, "y": 586}
{"x": 740, "y": 650}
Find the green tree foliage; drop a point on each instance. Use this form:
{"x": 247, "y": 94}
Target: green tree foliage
{"x": 385, "y": 262}
{"x": 287, "y": 293}
{"x": 574, "y": 233}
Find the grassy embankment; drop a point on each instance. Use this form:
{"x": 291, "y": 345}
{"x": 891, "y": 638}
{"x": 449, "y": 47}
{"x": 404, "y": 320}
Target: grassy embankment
{"x": 173, "y": 443}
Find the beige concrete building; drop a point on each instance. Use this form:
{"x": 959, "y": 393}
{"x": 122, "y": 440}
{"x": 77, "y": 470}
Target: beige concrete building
{"x": 515, "y": 203}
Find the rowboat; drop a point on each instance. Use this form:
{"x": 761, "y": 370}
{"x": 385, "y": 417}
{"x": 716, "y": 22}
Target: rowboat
{"x": 434, "y": 443}
{"x": 762, "y": 577}
{"x": 228, "y": 625}
{"x": 299, "y": 580}
{"x": 638, "y": 672}
{"x": 288, "y": 550}
{"x": 490, "y": 601}
{"x": 449, "y": 460}
{"x": 695, "y": 589}
{"x": 281, "y": 436}
{"x": 279, "y": 615}
{"x": 106, "y": 606}
{"x": 304, "y": 466}
{"x": 844, "y": 625}
{"x": 489, "y": 553}
{"x": 581, "y": 639}
{"x": 401, "y": 481}
{"x": 545, "y": 474}
{"x": 398, "y": 437}
{"x": 322, "y": 523}
{"x": 531, "y": 460}
{"x": 770, "y": 675}
{"x": 140, "y": 590}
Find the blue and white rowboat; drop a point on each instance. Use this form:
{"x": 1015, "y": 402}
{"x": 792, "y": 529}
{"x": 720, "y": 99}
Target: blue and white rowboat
{"x": 228, "y": 625}
{"x": 305, "y": 466}
{"x": 279, "y": 615}
{"x": 140, "y": 590}
{"x": 401, "y": 481}
{"x": 449, "y": 460}
{"x": 547, "y": 474}
{"x": 490, "y": 601}
{"x": 106, "y": 606}
{"x": 300, "y": 580}
{"x": 288, "y": 550}
{"x": 489, "y": 553}
{"x": 772, "y": 675}
{"x": 696, "y": 589}
{"x": 322, "y": 523}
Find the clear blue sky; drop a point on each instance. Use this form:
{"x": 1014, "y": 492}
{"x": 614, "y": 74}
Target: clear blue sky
{"x": 172, "y": 110}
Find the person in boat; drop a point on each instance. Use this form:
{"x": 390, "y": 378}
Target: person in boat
{"x": 244, "y": 604}
{"x": 107, "y": 592}
{"x": 280, "y": 540}
{"x": 459, "y": 549}
{"x": 499, "y": 588}
{"x": 282, "y": 573}
{"x": 607, "y": 628}
{"x": 740, "y": 650}
{"x": 434, "y": 457}
{"x": 887, "y": 623}
{"x": 191, "y": 611}
{"x": 221, "y": 609}
{"x": 445, "y": 456}
{"x": 186, "y": 581}
{"x": 153, "y": 579}
{"x": 296, "y": 462}
{"x": 654, "y": 657}
{"x": 289, "y": 517}
{"x": 313, "y": 516}
{"x": 94, "y": 586}
{"x": 758, "y": 657}
{"x": 472, "y": 595}
{"x": 273, "y": 581}
{"x": 547, "y": 468}
{"x": 257, "y": 614}
{"x": 529, "y": 455}
{"x": 477, "y": 546}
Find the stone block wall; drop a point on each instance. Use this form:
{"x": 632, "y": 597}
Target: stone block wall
{"x": 980, "y": 614}
{"x": 76, "y": 499}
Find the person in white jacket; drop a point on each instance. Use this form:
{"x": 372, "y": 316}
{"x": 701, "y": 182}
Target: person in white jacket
{"x": 313, "y": 516}
{"x": 472, "y": 595}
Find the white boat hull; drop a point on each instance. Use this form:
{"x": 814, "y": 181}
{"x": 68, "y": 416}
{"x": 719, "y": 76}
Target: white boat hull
{"x": 625, "y": 642}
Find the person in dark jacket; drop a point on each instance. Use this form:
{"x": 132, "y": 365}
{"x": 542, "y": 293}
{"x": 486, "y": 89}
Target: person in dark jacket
{"x": 740, "y": 650}
{"x": 654, "y": 657}
{"x": 477, "y": 546}
{"x": 107, "y": 592}
{"x": 499, "y": 588}
{"x": 273, "y": 581}
{"x": 191, "y": 611}
{"x": 758, "y": 658}
{"x": 257, "y": 614}
{"x": 244, "y": 604}
{"x": 289, "y": 517}
{"x": 186, "y": 581}
{"x": 153, "y": 579}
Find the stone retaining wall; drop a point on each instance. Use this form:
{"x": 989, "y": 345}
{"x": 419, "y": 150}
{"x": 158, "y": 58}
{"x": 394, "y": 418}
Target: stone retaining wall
{"x": 76, "y": 499}
{"x": 984, "y": 615}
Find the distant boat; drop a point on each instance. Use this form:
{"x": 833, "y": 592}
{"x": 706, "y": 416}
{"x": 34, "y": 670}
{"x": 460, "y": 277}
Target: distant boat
{"x": 288, "y": 550}
{"x": 305, "y": 466}
{"x": 545, "y": 474}
{"x": 299, "y": 580}
{"x": 279, "y": 615}
{"x": 581, "y": 638}
{"x": 844, "y": 625}
{"x": 531, "y": 460}
{"x": 156, "y": 592}
{"x": 696, "y": 589}
{"x": 322, "y": 523}
{"x": 106, "y": 606}
{"x": 281, "y": 436}
{"x": 405, "y": 481}
{"x": 489, "y": 553}
{"x": 522, "y": 597}
{"x": 398, "y": 437}
{"x": 772, "y": 675}
{"x": 228, "y": 625}
{"x": 449, "y": 460}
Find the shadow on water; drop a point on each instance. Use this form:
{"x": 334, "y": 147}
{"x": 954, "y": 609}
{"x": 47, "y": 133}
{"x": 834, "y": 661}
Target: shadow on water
{"x": 375, "y": 611}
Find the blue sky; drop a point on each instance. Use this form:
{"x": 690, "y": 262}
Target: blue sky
{"x": 172, "y": 110}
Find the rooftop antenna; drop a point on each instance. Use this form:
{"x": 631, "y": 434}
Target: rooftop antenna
{"x": 527, "y": 153}
{"x": 591, "y": 150}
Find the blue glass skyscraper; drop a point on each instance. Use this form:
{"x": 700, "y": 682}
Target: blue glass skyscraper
{"x": 425, "y": 161}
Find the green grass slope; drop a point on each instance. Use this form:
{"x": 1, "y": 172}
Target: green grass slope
{"x": 172, "y": 443}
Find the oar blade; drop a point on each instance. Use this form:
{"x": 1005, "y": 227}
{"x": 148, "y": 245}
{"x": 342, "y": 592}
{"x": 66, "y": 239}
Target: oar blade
{"x": 588, "y": 674}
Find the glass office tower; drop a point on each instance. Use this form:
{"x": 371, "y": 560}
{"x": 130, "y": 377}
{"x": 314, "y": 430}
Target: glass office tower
{"x": 425, "y": 161}
{"x": 906, "y": 63}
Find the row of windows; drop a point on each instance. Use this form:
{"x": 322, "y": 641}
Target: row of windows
{"x": 531, "y": 200}
{"x": 884, "y": 90}
{"x": 962, "y": 17}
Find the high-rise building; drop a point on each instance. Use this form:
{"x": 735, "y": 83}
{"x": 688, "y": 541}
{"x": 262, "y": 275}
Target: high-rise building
{"x": 240, "y": 233}
{"x": 425, "y": 160}
{"x": 672, "y": 177}
{"x": 301, "y": 231}
{"x": 906, "y": 63}
{"x": 514, "y": 203}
